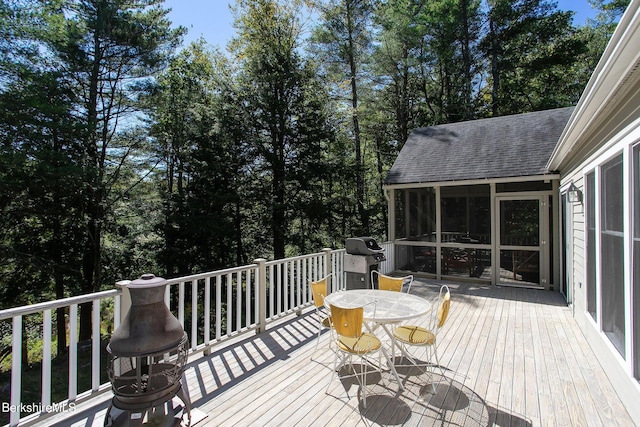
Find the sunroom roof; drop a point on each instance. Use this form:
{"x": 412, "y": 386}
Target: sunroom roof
{"x": 499, "y": 147}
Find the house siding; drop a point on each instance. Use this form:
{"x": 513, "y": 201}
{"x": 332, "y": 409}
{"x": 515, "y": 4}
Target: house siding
{"x": 605, "y": 125}
{"x": 619, "y": 368}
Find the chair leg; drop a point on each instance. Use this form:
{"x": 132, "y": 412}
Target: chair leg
{"x": 426, "y": 369}
{"x": 335, "y": 369}
{"x": 432, "y": 369}
{"x": 363, "y": 384}
{"x": 361, "y": 376}
{"x": 320, "y": 327}
{"x": 442, "y": 370}
{"x": 317, "y": 342}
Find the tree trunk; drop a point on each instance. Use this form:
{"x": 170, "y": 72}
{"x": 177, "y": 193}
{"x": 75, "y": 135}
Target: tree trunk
{"x": 495, "y": 71}
{"x": 278, "y": 210}
{"x": 466, "y": 58}
{"x": 353, "y": 71}
{"x": 25, "y": 346}
{"x": 237, "y": 220}
{"x": 379, "y": 142}
{"x": 91, "y": 256}
{"x": 61, "y": 330}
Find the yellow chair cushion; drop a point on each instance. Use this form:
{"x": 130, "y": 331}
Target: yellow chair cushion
{"x": 363, "y": 344}
{"x": 414, "y": 335}
{"x": 319, "y": 289}
{"x": 386, "y": 283}
{"x": 443, "y": 310}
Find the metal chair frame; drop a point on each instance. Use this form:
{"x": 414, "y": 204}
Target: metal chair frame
{"x": 352, "y": 341}
{"x": 390, "y": 283}
{"x": 417, "y": 336}
{"x": 319, "y": 291}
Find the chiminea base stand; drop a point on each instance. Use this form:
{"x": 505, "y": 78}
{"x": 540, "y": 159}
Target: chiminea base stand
{"x": 147, "y": 355}
{"x": 166, "y": 414}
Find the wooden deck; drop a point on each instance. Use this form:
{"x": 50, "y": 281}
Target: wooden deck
{"x": 513, "y": 357}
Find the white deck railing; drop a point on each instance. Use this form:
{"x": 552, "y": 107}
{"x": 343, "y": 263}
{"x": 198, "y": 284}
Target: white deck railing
{"x": 212, "y": 307}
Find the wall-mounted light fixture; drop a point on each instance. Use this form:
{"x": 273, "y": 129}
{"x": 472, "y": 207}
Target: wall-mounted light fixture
{"x": 574, "y": 193}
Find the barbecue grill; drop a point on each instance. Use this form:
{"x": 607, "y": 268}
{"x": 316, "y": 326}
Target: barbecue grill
{"x": 363, "y": 256}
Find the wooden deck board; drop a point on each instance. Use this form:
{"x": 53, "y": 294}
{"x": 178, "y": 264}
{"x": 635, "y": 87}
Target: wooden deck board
{"x": 513, "y": 357}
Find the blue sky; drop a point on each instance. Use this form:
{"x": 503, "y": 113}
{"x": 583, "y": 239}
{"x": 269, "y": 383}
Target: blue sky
{"x": 213, "y": 20}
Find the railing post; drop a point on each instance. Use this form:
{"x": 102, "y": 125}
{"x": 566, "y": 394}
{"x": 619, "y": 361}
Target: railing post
{"x": 261, "y": 294}
{"x": 125, "y": 302}
{"x": 328, "y": 268}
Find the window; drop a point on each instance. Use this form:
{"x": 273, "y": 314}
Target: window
{"x": 416, "y": 214}
{"x": 635, "y": 188}
{"x": 416, "y": 258}
{"x": 466, "y": 262}
{"x": 612, "y": 252}
{"x": 466, "y": 215}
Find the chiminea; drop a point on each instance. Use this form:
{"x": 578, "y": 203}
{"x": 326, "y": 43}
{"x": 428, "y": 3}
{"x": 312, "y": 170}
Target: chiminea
{"x": 147, "y": 355}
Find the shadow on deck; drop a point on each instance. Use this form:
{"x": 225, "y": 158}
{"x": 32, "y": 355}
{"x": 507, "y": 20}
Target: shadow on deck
{"x": 512, "y": 357}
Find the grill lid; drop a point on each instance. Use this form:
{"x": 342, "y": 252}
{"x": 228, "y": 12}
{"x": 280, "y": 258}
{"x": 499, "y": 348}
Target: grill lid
{"x": 362, "y": 246}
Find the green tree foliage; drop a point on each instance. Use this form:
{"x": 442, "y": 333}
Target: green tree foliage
{"x": 285, "y": 110}
{"x": 344, "y": 46}
{"x": 448, "y": 58}
{"x": 40, "y": 169}
{"x": 118, "y": 158}
{"x": 596, "y": 34}
{"x": 530, "y": 46}
{"x": 398, "y": 66}
{"x": 198, "y": 130}
{"x": 105, "y": 47}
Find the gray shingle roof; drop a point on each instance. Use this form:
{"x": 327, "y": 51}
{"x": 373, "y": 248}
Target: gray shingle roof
{"x": 498, "y": 147}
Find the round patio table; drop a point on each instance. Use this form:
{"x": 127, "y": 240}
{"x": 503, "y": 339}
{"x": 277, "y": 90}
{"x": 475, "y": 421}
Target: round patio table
{"x": 381, "y": 308}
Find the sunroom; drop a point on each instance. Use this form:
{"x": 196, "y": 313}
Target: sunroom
{"x": 474, "y": 200}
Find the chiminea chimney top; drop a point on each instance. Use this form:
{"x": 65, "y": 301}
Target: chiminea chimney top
{"x": 147, "y": 280}
{"x": 149, "y": 326}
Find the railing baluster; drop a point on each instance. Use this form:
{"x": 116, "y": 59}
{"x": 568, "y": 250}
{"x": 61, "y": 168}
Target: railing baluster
{"x": 181, "y": 303}
{"x": 229, "y": 305}
{"x": 46, "y": 357}
{"x": 73, "y": 352}
{"x": 95, "y": 346}
{"x": 280, "y": 284}
{"x": 238, "y": 302}
{"x": 292, "y": 285}
{"x": 305, "y": 279}
{"x": 288, "y": 266}
{"x": 194, "y": 314}
{"x": 295, "y": 285}
{"x": 247, "y": 297}
{"x": 334, "y": 279}
{"x": 207, "y": 313}
{"x": 218, "y": 307}
{"x": 301, "y": 299}
{"x": 271, "y": 292}
{"x": 16, "y": 370}
{"x": 252, "y": 276}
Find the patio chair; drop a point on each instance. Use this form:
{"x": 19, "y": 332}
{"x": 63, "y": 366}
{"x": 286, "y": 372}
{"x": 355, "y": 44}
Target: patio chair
{"x": 319, "y": 290}
{"x": 352, "y": 342}
{"x": 388, "y": 283}
{"x": 406, "y": 336}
